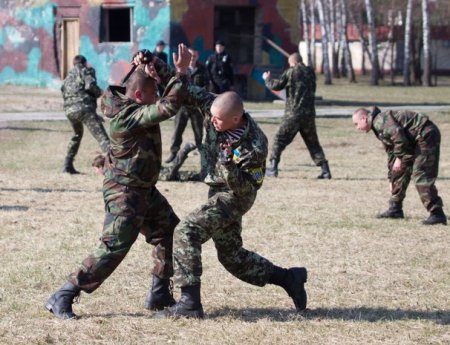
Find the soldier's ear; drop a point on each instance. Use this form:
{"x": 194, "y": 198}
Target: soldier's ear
{"x": 138, "y": 96}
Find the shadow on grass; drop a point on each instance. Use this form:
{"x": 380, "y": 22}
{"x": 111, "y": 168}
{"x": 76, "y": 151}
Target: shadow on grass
{"x": 13, "y": 208}
{"x": 441, "y": 317}
{"x": 378, "y": 104}
{"x": 31, "y": 129}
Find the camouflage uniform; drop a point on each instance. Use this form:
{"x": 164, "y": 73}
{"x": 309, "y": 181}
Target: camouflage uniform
{"x": 198, "y": 77}
{"x": 233, "y": 189}
{"x": 133, "y": 204}
{"x": 80, "y": 93}
{"x": 414, "y": 139}
{"x": 300, "y": 84}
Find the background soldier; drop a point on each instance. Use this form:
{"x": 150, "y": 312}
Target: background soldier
{"x": 236, "y": 151}
{"x": 159, "y": 51}
{"x": 412, "y": 143}
{"x": 133, "y": 203}
{"x": 80, "y": 93}
{"x": 198, "y": 76}
{"x": 220, "y": 69}
{"x": 299, "y": 81}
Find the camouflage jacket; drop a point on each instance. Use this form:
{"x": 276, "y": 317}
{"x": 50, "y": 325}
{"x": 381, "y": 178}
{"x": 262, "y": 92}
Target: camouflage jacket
{"x": 199, "y": 76}
{"x": 244, "y": 174}
{"x": 80, "y": 90}
{"x": 134, "y": 157}
{"x": 398, "y": 131}
{"x": 300, "y": 84}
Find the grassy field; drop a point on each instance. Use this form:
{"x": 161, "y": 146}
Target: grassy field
{"x": 370, "y": 281}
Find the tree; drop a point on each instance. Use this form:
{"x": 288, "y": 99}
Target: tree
{"x": 306, "y": 31}
{"x": 345, "y": 45}
{"x": 407, "y": 57}
{"x": 324, "y": 34}
{"x": 426, "y": 44}
{"x": 374, "y": 76}
{"x": 313, "y": 33}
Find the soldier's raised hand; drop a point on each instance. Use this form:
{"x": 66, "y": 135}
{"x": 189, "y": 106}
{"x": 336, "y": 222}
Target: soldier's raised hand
{"x": 182, "y": 59}
{"x": 266, "y": 75}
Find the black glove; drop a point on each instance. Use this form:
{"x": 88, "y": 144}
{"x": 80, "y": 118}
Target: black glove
{"x": 147, "y": 55}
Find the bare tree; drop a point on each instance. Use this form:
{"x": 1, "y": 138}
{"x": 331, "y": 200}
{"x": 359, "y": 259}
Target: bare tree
{"x": 357, "y": 23}
{"x": 407, "y": 57}
{"x": 345, "y": 44}
{"x": 331, "y": 11}
{"x": 374, "y": 76}
{"x": 426, "y": 44}
{"x": 389, "y": 40}
{"x": 306, "y": 31}
{"x": 324, "y": 34}
{"x": 313, "y": 33}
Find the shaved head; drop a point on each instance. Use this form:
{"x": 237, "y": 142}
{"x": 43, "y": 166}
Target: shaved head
{"x": 227, "y": 111}
{"x": 294, "y": 59}
{"x": 361, "y": 112}
{"x": 229, "y": 103}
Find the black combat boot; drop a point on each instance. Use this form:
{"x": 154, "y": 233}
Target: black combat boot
{"x": 160, "y": 295}
{"x": 395, "y": 211}
{"x": 68, "y": 166}
{"x": 437, "y": 216}
{"x": 171, "y": 157}
{"x": 293, "y": 281}
{"x": 189, "y": 305}
{"x": 272, "y": 171}
{"x": 60, "y": 303}
{"x": 325, "y": 174}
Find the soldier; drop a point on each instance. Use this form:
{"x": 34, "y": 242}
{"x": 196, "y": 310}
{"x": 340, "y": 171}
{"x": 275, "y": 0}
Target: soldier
{"x": 133, "y": 203}
{"x": 220, "y": 69}
{"x": 80, "y": 93}
{"x": 412, "y": 143}
{"x": 197, "y": 76}
{"x": 159, "y": 51}
{"x": 299, "y": 81}
{"x": 236, "y": 151}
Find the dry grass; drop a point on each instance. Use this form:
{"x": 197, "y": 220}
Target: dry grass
{"x": 371, "y": 281}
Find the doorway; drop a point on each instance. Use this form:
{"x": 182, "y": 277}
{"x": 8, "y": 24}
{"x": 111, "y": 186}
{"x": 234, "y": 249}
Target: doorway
{"x": 70, "y": 43}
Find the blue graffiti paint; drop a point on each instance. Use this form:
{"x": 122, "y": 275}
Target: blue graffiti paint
{"x": 2, "y": 37}
{"x": 14, "y": 36}
{"x": 151, "y": 30}
{"x": 37, "y": 17}
{"x": 102, "y": 61}
{"x": 33, "y": 76}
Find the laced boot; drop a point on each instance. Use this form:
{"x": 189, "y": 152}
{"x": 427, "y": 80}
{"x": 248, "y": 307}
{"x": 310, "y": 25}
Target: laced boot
{"x": 160, "y": 294}
{"x": 272, "y": 171}
{"x": 68, "y": 166}
{"x": 437, "y": 216}
{"x": 325, "y": 174}
{"x": 60, "y": 303}
{"x": 395, "y": 211}
{"x": 189, "y": 305}
{"x": 293, "y": 281}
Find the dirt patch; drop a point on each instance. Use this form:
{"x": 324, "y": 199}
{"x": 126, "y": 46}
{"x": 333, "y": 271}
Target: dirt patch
{"x": 29, "y": 99}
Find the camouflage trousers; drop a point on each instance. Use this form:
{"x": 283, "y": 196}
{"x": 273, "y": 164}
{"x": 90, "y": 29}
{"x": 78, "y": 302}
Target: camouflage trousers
{"x": 219, "y": 220}
{"x": 129, "y": 211}
{"x": 181, "y": 120}
{"x": 92, "y": 121}
{"x": 423, "y": 169}
{"x": 290, "y": 126}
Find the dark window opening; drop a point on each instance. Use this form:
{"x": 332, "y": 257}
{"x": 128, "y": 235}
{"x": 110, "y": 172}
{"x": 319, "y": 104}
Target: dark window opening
{"x": 115, "y": 24}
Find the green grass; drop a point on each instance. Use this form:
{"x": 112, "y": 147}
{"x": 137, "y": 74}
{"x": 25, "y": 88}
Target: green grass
{"x": 370, "y": 281}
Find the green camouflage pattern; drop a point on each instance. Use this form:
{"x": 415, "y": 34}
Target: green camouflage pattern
{"x": 414, "y": 139}
{"x": 94, "y": 124}
{"x": 129, "y": 211}
{"x": 134, "y": 158}
{"x": 299, "y": 117}
{"x": 80, "y": 93}
{"x": 197, "y": 77}
{"x": 234, "y": 187}
{"x": 80, "y": 90}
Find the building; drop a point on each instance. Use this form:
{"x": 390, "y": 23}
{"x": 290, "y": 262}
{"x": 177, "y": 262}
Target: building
{"x": 39, "y": 38}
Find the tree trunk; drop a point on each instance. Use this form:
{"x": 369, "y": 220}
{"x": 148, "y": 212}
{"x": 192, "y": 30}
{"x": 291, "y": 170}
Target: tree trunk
{"x": 332, "y": 21}
{"x": 374, "y": 76}
{"x": 426, "y": 79}
{"x": 313, "y": 33}
{"x": 407, "y": 52}
{"x": 324, "y": 34}
{"x": 306, "y": 32}
{"x": 359, "y": 30}
{"x": 345, "y": 44}
{"x": 389, "y": 40}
